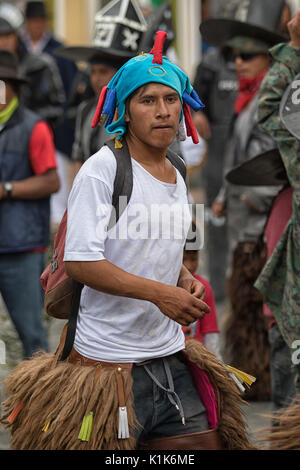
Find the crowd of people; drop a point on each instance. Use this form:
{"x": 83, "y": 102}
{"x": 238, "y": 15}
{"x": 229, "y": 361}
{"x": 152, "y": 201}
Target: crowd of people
{"x": 146, "y": 351}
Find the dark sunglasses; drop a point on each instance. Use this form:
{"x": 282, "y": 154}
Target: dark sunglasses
{"x": 245, "y": 56}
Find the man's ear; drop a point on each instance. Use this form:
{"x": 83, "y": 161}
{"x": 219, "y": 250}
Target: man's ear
{"x": 127, "y": 111}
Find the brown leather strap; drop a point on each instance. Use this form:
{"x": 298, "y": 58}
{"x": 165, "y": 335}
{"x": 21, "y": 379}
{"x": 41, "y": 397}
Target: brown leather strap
{"x": 76, "y": 357}
{"x": 60, "y": 346}
{"x": 121, "y": 393}
{"x": 206, "y": 440}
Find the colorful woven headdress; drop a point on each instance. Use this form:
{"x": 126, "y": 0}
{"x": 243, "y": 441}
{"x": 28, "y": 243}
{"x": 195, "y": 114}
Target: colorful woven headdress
{"x": 139, "y": 71}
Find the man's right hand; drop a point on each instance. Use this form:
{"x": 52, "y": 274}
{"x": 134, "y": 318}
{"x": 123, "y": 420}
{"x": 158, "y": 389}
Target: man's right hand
{"x": 294, "y": 30}
{"x": 181, "y": 306}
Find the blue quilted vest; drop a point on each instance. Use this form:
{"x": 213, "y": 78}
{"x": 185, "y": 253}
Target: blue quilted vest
{"x": 24, "y": 224}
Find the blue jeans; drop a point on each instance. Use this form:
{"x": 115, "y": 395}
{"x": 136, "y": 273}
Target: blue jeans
{"x": 159, "y": 412}
{"x": 22, "y": 293}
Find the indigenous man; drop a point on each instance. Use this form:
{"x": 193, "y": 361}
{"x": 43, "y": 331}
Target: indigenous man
{"x": 127, "y": 365}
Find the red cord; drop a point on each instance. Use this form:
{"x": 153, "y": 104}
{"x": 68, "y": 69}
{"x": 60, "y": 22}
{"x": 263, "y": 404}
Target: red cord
{"x": 190, "y": 128}
{"x": 99, "y": 107}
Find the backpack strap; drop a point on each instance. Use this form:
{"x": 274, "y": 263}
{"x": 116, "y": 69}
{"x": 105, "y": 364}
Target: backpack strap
{"x": 124, "y": 178}
{"x": 72, "y": 322}
{"x": 178, "y": 163}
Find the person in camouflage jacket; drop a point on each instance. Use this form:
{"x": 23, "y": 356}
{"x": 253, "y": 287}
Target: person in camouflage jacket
{"x": 279, "y": 281}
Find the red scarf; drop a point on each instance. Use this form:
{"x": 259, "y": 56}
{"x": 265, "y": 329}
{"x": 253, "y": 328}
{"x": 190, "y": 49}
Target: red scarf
{"x": 248, "y": 87}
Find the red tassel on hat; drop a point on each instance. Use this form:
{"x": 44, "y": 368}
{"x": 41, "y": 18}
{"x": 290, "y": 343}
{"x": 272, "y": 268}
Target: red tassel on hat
{"x": 158, "y": 47}
{"x": 190, "y": 128}
{"x": 99, "y": 107}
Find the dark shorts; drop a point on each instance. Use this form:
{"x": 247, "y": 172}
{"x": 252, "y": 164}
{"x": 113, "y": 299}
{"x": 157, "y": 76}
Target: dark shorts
{"x": 161, "y": 413}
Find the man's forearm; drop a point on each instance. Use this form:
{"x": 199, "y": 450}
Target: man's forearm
{"x": 108, "y": 278}
{"x": 182, "y": 305}
{"x": 36, "y": 187}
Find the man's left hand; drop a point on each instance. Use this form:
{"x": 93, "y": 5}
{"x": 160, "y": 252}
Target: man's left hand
{"x": 193, "y": 286}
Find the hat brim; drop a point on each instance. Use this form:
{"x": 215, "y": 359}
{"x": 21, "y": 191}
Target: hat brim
{"x": 217, "y": 31}
{"x": 290, "y": 109}
{"x": 6, "y": 76}
{"x": 266, "y": 169}
{"x": 86, "y": 54}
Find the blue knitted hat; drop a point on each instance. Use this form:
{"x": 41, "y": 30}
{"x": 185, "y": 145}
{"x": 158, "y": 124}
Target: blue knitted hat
{"x": 138, "y": 71}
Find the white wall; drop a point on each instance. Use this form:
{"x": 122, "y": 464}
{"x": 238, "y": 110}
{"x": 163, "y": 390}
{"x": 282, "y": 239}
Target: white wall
{"x": 59, "y": 19}
{"x": 188, "y": 35}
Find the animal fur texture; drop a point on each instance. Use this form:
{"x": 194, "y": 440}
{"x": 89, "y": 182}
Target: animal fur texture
{"x": 246, "y": 344}
{"x": 56, "y": 399}
{"x": 285, "y": 432}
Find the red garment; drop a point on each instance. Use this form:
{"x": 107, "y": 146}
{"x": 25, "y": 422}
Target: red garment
{"x": 280, "y": 215}
{"x": 209, "y": 324}
{"x": 41, "y": 149}
{"x": 248, "y": 87}
{"x": 42, "y": 154}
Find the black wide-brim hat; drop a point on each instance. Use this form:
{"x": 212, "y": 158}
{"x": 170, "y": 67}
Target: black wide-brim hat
{"x": 6, "y": 74}
{"x": 9, "y": 68}
{"x": 266, "y": 169}
{"x": 93, "y": 53}
{"x": 217, "y": 31}
{"x": 118, "y": 30}
{"x": 35, "y": 9}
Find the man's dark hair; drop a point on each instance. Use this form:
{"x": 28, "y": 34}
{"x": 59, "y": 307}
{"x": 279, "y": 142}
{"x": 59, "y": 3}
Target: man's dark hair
{"x": 128, "y": 100}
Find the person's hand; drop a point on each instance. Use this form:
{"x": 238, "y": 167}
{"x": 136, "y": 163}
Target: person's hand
{"x": 218, "y": 209}
{"x": 202, "y": 125}
{"x": 181, "y": 306}
{"x": 193, "y": 286}
{"x": 249, "y": 203}
{"x": 294, "y": 30}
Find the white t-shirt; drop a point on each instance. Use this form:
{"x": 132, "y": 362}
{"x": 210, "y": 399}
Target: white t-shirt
{"x": 114, "y": 328}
